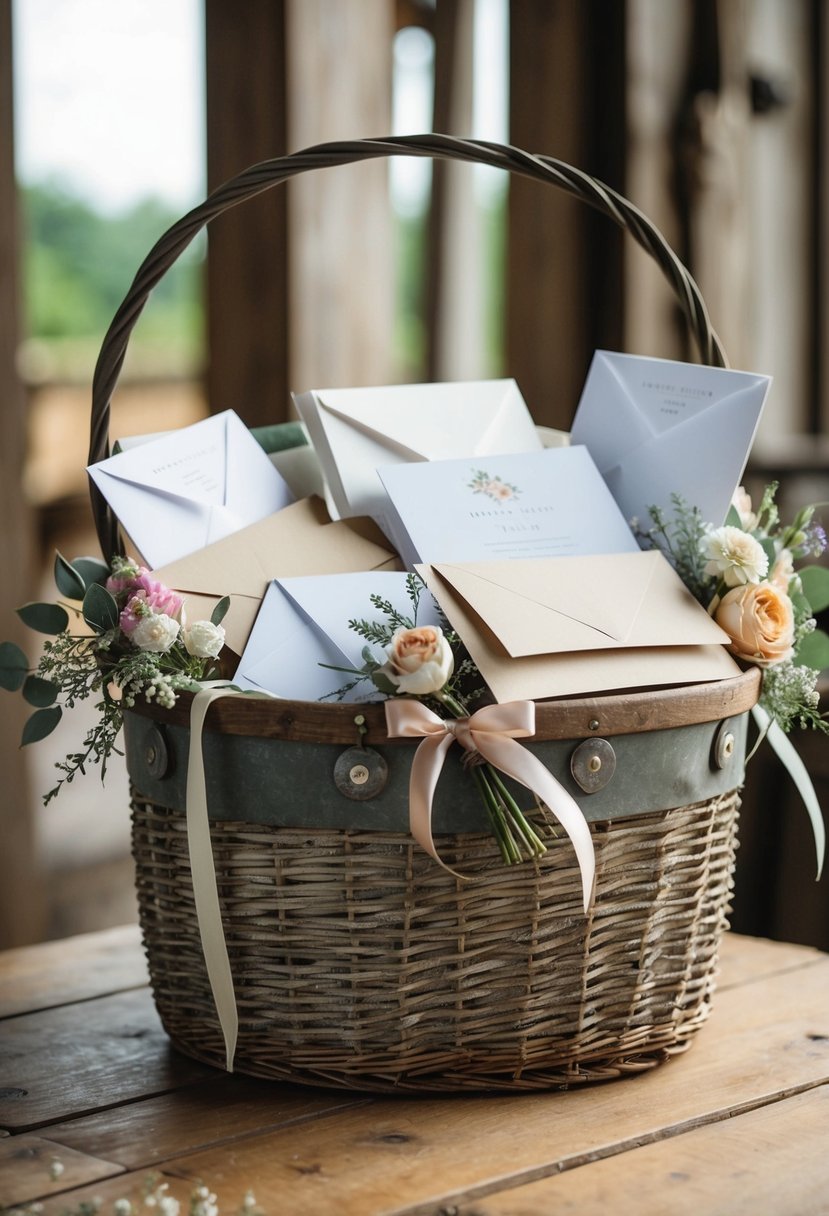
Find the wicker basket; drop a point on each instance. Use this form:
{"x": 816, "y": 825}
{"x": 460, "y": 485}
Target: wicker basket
{"x": 356, "y": 960}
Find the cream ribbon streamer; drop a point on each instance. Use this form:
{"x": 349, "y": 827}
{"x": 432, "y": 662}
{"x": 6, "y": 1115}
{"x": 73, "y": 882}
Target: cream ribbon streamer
{"x": 203, "y": 872}
{"x": 786, "y": 752}
{"x": 492, "y": 732}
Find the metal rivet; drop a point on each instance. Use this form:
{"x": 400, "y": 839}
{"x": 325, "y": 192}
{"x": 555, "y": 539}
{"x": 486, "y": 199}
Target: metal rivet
{"x": 156, "y": 754}
{"x": 725, "y": 745}
{"x": 592, "y": 764}
{"x": 593, "y": 724}
{"x": 360, "y": 773}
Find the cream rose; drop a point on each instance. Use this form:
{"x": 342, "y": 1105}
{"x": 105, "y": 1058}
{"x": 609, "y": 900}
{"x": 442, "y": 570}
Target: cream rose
{"x": 156, "y": 632}
{"x": 420, "y": 661}
{"x": 760, "y": 622}
{"x": 203, "y": 639}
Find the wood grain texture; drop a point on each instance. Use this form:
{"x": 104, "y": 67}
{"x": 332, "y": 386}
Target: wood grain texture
{"x": 766, "y": 1041}
{"x": 625, "y": 713}
{"x": 743, "y": 960}
{"x": 82, "y": 1057}
{"x": 25, "y": 1163}
{"x": 73, "y": 969}
{"x": 214, "y": 1112}
{"x": 772, "y": 1160}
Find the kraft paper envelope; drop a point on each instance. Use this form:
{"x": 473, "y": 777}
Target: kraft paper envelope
{"x": 304, "y": 623}
{"x": 656, "y": 427}
{"x": 187, "y": 488}
{"x": 355, "y": 431}
{"x": 693, "y": 655}
{"x": 297, "y": 540}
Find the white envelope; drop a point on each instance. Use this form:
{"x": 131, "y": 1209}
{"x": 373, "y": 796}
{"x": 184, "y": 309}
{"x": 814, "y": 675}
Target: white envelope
{"x": 356, "y": 430}
{"x": 191, "y": 487}
{"x": 303, "y": 622}
{"x": 656, "y": 427}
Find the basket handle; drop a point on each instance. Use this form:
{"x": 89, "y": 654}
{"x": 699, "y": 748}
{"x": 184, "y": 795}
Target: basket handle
{"x": 258, "y": 178}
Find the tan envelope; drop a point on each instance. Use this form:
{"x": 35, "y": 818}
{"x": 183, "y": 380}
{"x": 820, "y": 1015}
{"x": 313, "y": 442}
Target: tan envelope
{"x": 581, "y": 655}
{"x": 300, "y": 539}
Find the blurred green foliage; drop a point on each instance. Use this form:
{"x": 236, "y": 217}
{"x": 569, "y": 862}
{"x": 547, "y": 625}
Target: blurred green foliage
{"x": 78, "y": 264}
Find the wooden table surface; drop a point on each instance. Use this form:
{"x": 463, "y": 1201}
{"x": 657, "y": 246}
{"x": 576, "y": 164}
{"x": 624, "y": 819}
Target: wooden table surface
{"x": 738, "y": 1124}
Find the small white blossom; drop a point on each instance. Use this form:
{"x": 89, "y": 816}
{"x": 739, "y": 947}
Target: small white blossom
{"x": 735, "y": 557}
{"x": 122, "y": 1207}
{"x": 156, "y": 633}
{"x": 56, "y": 1168}
{"x": 203, "y": 639}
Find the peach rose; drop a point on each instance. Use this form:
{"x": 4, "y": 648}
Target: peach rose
{"x": 760, "y": 622}
{"x": 420, "y": 660}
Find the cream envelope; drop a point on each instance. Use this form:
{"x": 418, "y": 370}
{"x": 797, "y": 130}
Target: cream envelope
{"x": 297, "y": 540}
{"x": 188, "y": 488}
{"x": 355, "y": 431}
{"x": 656, "y": 427}
{"x": 580, "y": 673}
{"x": 550, "y": 605}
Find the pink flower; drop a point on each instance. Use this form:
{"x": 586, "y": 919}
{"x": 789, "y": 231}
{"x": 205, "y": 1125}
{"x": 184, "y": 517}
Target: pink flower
{"x": 149, "y": 598}
{"x": 158, "y": 597}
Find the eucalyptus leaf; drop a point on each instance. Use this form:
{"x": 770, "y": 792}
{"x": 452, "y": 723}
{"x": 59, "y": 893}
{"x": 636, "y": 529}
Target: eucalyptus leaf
{"x": 69, "y": 582}
{"x": 220, "y": 611}
{"x": 90, "y": 569}
{"x": 815, "y": 581}
{"x": 732, "y": 519}
{"x": 41, "y": 724}
{"x": 14, "y": 666}
{"x": 100, "y": 610}
{"x": 39, "y": 692}
{"x": 382, "y": 682}
{"x": 813, "y": 651}
{"x": 44, "y": 618}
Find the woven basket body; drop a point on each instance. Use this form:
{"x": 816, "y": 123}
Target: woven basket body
{"x": 357, "y": 960}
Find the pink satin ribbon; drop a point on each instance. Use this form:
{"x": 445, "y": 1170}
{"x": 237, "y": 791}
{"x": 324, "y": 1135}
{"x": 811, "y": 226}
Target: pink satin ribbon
{"x": 492, "y": 732}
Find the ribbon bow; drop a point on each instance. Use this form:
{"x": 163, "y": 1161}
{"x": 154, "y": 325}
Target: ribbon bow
{"x": 491, "y": 732}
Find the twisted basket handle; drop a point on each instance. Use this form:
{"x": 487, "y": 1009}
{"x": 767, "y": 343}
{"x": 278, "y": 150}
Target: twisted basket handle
{"x": 258, "y": 178}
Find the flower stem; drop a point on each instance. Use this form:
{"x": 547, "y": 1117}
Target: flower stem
{"x": 507, "y": 818}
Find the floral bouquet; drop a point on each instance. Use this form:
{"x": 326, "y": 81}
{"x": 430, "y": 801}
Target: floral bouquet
{"x": 748, "y": 575}
{"x": 118, "y": 634}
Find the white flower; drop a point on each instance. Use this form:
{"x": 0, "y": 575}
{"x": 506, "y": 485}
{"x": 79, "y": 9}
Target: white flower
{"x": 420, "y": 660}
{"x": 56, "y": 1168}
{"x": 741, "y": 502}
{"x": 735, "y": 557}
{"x": 203, "y": 1203}
{"x": 122, "y": 1207}
{"x": 156, "y": 632}
{"x": 203, "y": 639}
{"x": 169, "y": 1206}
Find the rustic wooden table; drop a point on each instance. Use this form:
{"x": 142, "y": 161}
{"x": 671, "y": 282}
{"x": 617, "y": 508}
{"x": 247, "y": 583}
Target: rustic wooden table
{"x": 738, "y": 1124}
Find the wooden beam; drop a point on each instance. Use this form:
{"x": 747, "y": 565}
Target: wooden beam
{"x": 563, "y": 291}
{"x": 21, "y": 901}
{"x": 342, "y": 272}
{"x": 247, "y": 272}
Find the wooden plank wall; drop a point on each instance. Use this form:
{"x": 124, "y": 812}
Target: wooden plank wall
{"x": 21, "y": 904}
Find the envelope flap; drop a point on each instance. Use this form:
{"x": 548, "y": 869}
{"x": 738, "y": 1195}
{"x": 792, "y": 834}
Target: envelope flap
{"x": 421, "y": 424}
{"x": 603, "y": 594}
